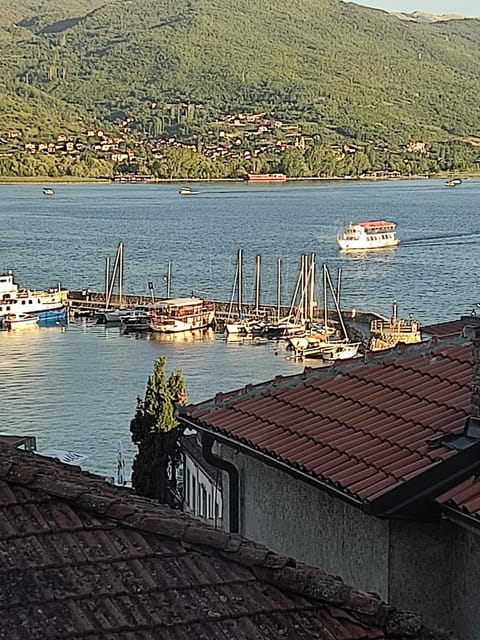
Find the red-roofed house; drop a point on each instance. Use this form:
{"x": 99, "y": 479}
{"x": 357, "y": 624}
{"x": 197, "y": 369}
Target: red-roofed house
{"x": 365, "y": 469}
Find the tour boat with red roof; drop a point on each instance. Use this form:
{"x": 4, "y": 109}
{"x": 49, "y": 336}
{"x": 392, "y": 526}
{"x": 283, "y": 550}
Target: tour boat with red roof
{"x": 362, "y": 236}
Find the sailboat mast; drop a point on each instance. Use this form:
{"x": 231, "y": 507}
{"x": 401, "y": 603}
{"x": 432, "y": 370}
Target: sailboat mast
{"x": 325, "y": 303}
{"x": 306, "y": 282}
{"x": 337, "y": 306}
{"x": 107, "y": 279}
{"x": 169, "y": 279}
{"x": 279, "y": 288}
{"x": 120, "y": 274}
{"x": 311, "y": 297}
{"x": 240, "y": 280}
{"x": 112, "y": 279}
{"x": 298, "y": 287}
{"x": 258, "y": 261}
{"x": 234, "y": 288}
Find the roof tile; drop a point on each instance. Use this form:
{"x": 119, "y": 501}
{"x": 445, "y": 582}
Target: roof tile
{"x": 379, "y": 416}
{"x": 120, "y": 567}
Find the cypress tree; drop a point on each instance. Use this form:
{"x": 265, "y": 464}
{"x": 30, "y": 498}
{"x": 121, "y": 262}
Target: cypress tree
{"x": 156, "y": 432}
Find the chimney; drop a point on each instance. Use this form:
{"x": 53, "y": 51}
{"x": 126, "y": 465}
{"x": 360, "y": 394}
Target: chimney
{"x": 475, "y": 337}
{"x": 473, "y": 333}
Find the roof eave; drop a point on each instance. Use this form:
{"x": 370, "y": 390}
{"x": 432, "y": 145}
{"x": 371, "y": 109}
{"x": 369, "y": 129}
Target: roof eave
{"x": 429, "y": 484}
{"x": 276, "y": 462}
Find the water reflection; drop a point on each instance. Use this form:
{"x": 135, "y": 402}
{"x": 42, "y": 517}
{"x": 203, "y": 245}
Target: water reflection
{"x": 182, "y": 336}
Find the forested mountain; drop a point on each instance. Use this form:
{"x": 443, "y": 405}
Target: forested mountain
{"x": 338, "y": 69}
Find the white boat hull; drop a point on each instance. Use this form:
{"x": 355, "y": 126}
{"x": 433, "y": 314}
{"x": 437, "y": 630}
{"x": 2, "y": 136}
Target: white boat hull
{"x": 364, "y": 236}
{"x": 19, "y": 323}
{"x": 45, "y": 304}
{"x": 361, "y": 245}
{"x": 340, "y": 351}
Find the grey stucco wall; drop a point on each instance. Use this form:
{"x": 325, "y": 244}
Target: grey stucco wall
{"x": 430, "y": 568}
{"x": 421, "y": 569}
{"x": 296, "y": 519}
{"x": 466, "y": 584}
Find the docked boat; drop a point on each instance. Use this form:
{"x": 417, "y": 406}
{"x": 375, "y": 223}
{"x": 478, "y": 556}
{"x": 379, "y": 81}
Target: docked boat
{"x": 46, "y": 305}
{"x": 265, "y": 177}
{"x": 386, "y": 333}
{"x": 181, "y": 314}
{"x": 342, "y": 350}
{"x": 136, "y": 321}
{"x": 363, "y": 236}
{"x": 48, "y": 191}
{"x": 14, "y": 322}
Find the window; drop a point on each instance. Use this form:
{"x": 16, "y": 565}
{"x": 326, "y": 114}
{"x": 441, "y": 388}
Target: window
{"x": 204, "y": 502}
{"x": 194, "y": 495}
{"x": 187, "y": 487}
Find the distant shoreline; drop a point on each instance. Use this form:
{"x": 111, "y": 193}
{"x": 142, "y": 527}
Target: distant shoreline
{"x": 69, "y": 180}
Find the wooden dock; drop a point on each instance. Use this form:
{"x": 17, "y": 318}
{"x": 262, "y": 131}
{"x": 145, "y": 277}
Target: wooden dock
{"x": 87, "y": 302}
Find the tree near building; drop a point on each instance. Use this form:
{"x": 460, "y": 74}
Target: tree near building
{"x": 156, "y": 431}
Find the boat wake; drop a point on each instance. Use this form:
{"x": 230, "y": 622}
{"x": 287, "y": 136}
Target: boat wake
{"x": 432, "y": 241}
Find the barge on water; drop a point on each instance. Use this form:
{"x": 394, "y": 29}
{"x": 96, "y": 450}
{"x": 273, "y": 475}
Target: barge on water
{"x": 265, "y": 177}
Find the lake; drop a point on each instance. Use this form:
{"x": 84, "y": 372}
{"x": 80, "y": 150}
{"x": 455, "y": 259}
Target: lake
{"x": 75, "y": 388}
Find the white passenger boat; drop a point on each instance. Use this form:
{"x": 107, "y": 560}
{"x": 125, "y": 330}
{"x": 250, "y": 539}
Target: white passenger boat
{"x": 362, "y": 236}
{"x": 181, "y": 314}
{"x": 14, "y": 322}
{"x": 46, "y": 305}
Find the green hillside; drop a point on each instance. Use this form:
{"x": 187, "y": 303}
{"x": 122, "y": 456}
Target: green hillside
{"x": 338, "y": 69}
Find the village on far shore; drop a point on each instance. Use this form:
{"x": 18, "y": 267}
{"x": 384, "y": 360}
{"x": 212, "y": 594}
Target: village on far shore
{"x": 234, "y": 143}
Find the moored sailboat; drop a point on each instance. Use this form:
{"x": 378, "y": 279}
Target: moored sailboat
{"x": 326, "y": 342}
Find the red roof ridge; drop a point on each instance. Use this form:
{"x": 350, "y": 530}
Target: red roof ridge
{"x": 403, "y": 352}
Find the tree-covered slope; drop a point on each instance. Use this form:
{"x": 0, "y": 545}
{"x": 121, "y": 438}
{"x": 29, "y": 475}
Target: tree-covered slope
{"x": 329, "y": 65}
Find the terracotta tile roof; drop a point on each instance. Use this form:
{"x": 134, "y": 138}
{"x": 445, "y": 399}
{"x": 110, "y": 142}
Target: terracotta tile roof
{"x": 364, "y": 429}
{"x": 82, "y": 559}
{"x": 464, "y": 498}
{"x": 450, "y": 329}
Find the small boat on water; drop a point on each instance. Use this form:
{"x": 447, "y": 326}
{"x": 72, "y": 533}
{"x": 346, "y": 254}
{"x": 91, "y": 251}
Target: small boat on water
{"x": 363, "y": 236}
{"x": 453, "y": 182}
{"x": 187, "y": 191}
{"x": 47, "y": 305}
{"x": 47, "y": 191}
{"x": 181, "y": 314}
{"x": 14, "y": 322}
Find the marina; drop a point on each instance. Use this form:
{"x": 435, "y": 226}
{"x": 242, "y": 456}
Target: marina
{"x": 75, "y": 387}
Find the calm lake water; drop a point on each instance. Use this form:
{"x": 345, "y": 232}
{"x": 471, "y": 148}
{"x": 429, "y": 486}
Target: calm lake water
{"x": 75, "y": 388}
